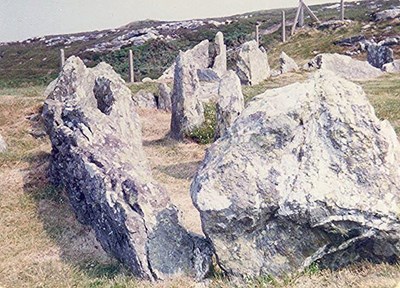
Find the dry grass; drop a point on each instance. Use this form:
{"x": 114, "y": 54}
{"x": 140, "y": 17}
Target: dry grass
{"x": 43, "y": 245}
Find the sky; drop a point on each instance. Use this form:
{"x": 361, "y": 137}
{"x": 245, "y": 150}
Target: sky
{"x": 22, "y": 19}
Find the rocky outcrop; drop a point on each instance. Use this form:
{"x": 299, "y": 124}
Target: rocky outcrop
{"x": 187, "y": 111}
{"x": 230, "y": 102}
{"x": 252, "y": 64}
{"x": 393, "y": 67}
{"x": 220, "y": 65}
{"x": 144, "y": 99}
{"x": 387, "y": 14}
{"x": 164, "y": 98}
{"x": 3, "y": 145}
{"x": 287, "y": 64}
{"x": 307, "y": 173}
{"x": 379, "y": 55}
{"x": 344, "y": 66}
{"x": 97, "y": 156}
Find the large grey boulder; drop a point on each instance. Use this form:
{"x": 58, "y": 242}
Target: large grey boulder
{"x": 307, "y": 173}
{"x": 393, "y": 67}
{"x": 97, "y": 155}
{"x": 187, "y": 110}
{"x": 379, "y": 55}
{"x": 344, "y": 66}
{"x": 220, "y": 61}
{"x": 230, "y": 102}
{"x": 3, "y": 145}
{"x": 287, "y": 64}
{"x": 164, "y": 98}
{"x": 252, "y": 64}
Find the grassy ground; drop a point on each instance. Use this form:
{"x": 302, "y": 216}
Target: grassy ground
{"x": 43, "y": 245}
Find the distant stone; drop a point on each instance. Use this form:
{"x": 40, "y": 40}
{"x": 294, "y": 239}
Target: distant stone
{"x": 147, "y": 80}
{"x": 187, "y": 110}
{"x": 307, "y": 173}
{"x": 344, "y": 66}
{"x": 230, "y": 102}
{"x": 220, "y": 61}
{"x": 350, "y": 41}
{"x": 287, "y": 64}
{"x": 393, "y": 67}
{"x": 252, "y": 65}
{"x": 168, "y": 74}
{"x": 164, "y": 98}
{"x": 144, "y": 99}
{"x": 97, "y": 155}
{"x": 3, "y": 145}
{"x": 390, "y": 41}
{"x": 387, "y": 14}
{"x": 208, "y": 75}
{"x": 379, "y": 55}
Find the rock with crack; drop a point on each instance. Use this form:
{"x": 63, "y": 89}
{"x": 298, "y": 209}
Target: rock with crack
{"x": 287, "y": 64}
{"x": 307, "y": 173}
{"x": 344, "y": 66}
{"x": 230, "y": 102}
{"x": 220, "y": 61}
{"x": 379, "y": 55}
{"x": 252, "y": 65}
{"x": 97, "y": 155}
{"x": 164, "y": 98}
{"x": 187, "y": 110}
{"x": 3, "y": 145}
{"x": 393, "y": 67}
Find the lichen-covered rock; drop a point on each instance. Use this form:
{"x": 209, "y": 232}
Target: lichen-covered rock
{"x": 287, "y": 64}
{"x": 3, "y": 145}
{"x": 387, "y": 14}
{"x": 393, "y": 67}
{"x": 344, "y": 66}
{"x": 252, "y": 65}
{"x": 230, "y": 102}
{"x": 164, "y": 99}
{"x": 379, "y": 55}
{"x": 144, "y": 99}
{"x": 97, "y": 156}
{"x": 220, "y": 61}
{"x": 307, "y": 173}
{"x": 187, "y": 110}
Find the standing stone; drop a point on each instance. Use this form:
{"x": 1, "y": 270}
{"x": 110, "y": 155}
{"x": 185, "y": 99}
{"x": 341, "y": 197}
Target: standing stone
{"x": 379, "y": 55}
{"x": 220, "y": 59}
{"x": 144, "y": 99}
{"x": 252, "y": 65}
{"x": 3, "y": 145}
{"x": 306, "y": 173}
{"x": 164, "y": 98}
{"x": 393, "y": 67}
{"x": 287, "y": 64}
{"x": 230, "y": 102}
{"x": 97, "y": 155}
{"x": 187, "y": 111}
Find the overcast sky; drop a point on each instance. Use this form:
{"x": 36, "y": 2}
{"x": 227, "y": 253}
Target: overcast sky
{"x": 22, "y": 19}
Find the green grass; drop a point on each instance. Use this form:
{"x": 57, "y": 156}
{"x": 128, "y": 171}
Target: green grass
{"x": 205, "y": 134}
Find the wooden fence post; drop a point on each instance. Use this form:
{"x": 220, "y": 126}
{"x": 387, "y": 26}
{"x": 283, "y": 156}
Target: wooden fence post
{"x": 342, "y": 10}
{"x": 62, "y": 58}
{"x": 257, "y": 34}
{"x": 283, "y": 26}
{"x": 131, "y": 75}
{"x": 301, "y": 16}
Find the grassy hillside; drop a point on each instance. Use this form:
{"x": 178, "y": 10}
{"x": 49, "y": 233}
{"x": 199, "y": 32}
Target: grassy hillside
{"x": 22, "y": 64}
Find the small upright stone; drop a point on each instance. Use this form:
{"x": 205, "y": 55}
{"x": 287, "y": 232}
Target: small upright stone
{"x": 230, "y": 102}
{"x": 164, "y": 98}
{"x": 3, "y": 145}
{"x": 393, "y": 67}
{"x": 287, "y": 64}
{"x": 220, "y": 59}
{"x": 252, "y": 65}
